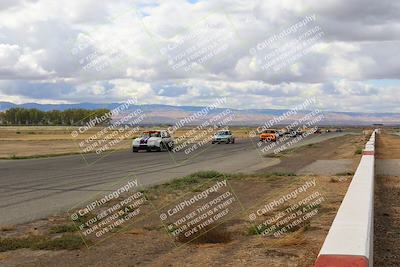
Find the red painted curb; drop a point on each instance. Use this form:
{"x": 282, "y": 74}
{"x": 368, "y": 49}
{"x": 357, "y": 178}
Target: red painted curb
{"x": 368, "y": 152}
{"x": 341, "y": 261}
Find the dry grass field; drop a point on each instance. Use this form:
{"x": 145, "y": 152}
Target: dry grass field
{"x": 387, "y": 205}
{"x": 43, "y": 141}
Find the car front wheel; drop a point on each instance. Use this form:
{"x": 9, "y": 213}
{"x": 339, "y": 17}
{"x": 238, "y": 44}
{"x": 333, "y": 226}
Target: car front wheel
{"x": 163, "y": 147}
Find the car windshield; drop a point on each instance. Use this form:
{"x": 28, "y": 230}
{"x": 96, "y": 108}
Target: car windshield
{"x": 151, "y": 134}
{"x": 223, "y": 133}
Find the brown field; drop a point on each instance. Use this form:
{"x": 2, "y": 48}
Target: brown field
{"x": 387, "y": 205}
{"x": 41, "y": 141}
{"x": 388, "y": 146}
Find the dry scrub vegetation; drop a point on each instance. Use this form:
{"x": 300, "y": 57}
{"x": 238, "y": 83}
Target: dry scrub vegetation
{"x": 147, "y": 242}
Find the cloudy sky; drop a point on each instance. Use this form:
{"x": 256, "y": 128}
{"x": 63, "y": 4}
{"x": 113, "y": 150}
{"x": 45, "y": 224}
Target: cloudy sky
{"x": 257, "y": 54}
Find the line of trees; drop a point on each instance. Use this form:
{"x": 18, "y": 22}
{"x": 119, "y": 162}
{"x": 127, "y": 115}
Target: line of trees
{"x": 23, "y": 116}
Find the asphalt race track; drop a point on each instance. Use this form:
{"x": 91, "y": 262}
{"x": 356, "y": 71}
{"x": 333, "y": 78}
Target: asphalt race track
{"x": 36, "y": 188}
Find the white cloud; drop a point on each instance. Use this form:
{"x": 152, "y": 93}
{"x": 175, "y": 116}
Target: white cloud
{"x": 38, "y": 42}
{"x": 17, "y": 63}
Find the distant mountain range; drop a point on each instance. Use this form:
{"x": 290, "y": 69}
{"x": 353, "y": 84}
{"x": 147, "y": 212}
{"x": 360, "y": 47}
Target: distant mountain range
{"x": 168, "y": 114}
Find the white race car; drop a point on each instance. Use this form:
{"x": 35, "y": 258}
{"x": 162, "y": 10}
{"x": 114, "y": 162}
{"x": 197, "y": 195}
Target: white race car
{"x": 224, "y": 136}
{"x": 158, "y": 140}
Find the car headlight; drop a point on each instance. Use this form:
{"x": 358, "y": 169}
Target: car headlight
{"x": 135, "y": 142}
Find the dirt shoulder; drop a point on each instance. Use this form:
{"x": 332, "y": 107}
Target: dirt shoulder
{"x": 339, "y": 148}
{"x": 235, "y": 241}
{"x": 388, "y": 146}
{"x": 387, "y": 221}
{"x": 387, "y": 204}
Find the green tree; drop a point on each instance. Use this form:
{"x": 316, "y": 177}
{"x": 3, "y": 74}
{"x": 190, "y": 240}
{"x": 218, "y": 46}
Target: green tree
{"x": 22, "y": 116}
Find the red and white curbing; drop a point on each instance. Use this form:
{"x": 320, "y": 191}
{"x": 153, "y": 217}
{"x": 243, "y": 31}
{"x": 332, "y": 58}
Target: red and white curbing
{"x": 349, "y": 242}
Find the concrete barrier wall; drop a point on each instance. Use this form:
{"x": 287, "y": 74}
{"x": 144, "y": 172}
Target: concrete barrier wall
{"x": 350, "y": 238}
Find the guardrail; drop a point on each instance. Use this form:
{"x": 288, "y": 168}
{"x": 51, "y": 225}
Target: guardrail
{"x": 350, "y": 238}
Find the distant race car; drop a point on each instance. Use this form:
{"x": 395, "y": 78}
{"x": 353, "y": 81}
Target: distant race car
{"x": 282, "y": 132}
{"x": 158, "y": 140}
{"x": 224, "y": 136}
{"x": 292, "y": 132}
{"x": 269, "y": 135}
